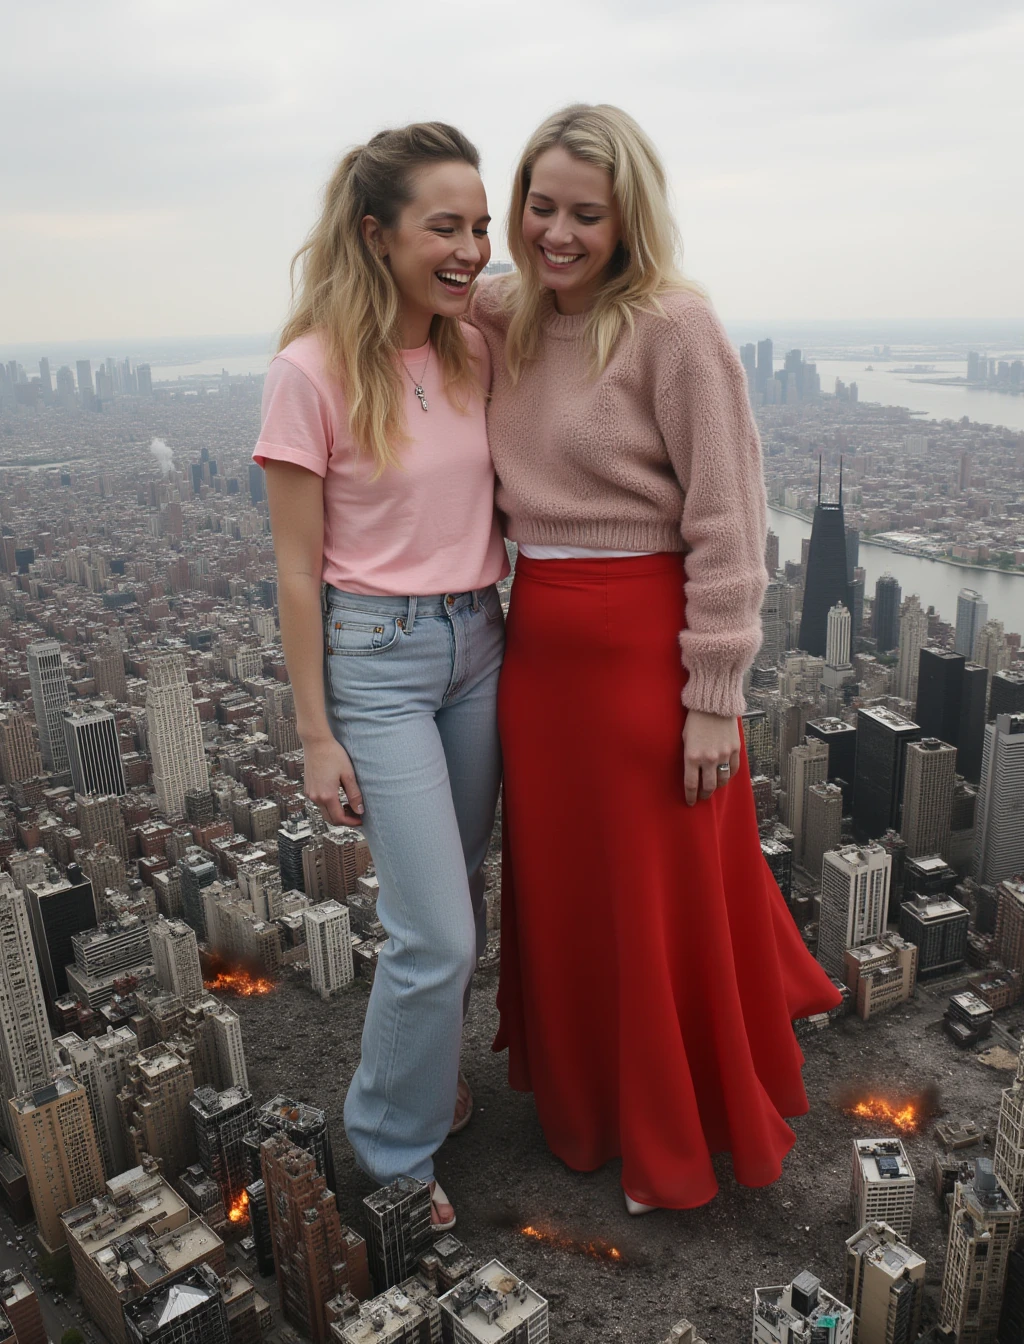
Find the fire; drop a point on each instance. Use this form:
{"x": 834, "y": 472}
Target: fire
{"x": 239, "y": 1211}
{"x": 905, "y": 1116}
{"x": 596, "y": 1249}
{"x": 237, "y": 980}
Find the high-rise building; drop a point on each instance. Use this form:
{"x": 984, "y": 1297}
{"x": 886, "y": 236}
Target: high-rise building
{"x": 773, "y": 624}
{"x": 913, "y": 638}
{"x": 50, "y": 697}
{"x": 1008, "y": 947}
{"x": 175, "y": 733}
{"x": 187, "y": 1309}
{"x": 990, "y": 648}
{"x": 854, "y": 902}
{"x": 93, "y": 750}
{"x": 765, "y": 363}
{"x": 304, "y": 1126}
{"x": 882, "y": 740}
{"x": 807, "y": 765}
{"x": 407, "y": 1312}
{"x": 86, "y": 395}
{"x": 221, "y": 1121}
{"x": 329, "y": 944}
{"x": 837, "y": 636}
{"x": 885, "y": 614}
{"x": 59, "y": 1152}
{"x": 1008, "y": 1160}
{"x": 315, "y": 1257}
{"x": 20, "y": 760}
{"x": 198, "y": 870}
{"x": 937, "y": 926}
{"x": 346, "y": 859}
{"x": 852, "y": 550}
{"x": 105, "y": 955}
{"x": 398, "y": 1229}
{"x": 951, "y": 705}
{"x": 1006, "y": 697}
{"x": 493, "y": 1306}
{"x": 176, "y": 958}
{"x": 779, "y": 858}
{"x": 823, "y": 824}
{"x": 827, "y": 580}
{"x": 107, "y": 667}
{"x": 26, "y": 1054}
{"x": 798, "y": 1311}
{"x": 155, "y": 1110}
{"x": 20, "y": 1305}
{"x": 59, "y": 907}
{"x": 884, "y": 1286}
{"x": 971, "y": 615}
{"x": 928, "y": 796}
{"x": 998, "y": 833}
{"x": 99, "y": 817}
{"x": 982, "y": 1231}
{"x": 292, "y": 838}
{"x": 841, "y": 739}
{"x": 882, "y": 1185}
{"x": 101, "y": 1065}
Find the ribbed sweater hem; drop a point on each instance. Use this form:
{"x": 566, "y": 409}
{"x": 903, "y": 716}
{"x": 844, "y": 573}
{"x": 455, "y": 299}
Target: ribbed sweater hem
{"x": 610, "y": 534}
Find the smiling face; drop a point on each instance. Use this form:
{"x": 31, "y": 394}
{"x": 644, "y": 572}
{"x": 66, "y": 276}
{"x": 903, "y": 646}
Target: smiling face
{"x": 571, "y": 227}
{"x": 438, "y": 246}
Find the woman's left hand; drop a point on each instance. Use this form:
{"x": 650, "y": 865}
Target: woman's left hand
{"x": 709, "y": 741}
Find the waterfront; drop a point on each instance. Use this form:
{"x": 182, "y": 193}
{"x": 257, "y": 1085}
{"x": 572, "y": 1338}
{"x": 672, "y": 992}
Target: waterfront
{"x": 936, "y": 582}
{"x": 928, "y": 399}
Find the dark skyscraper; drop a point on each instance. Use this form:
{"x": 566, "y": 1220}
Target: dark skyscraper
{"x": 971, "y": 742}
{"x": 841, "y": 739}
{"x": 1007, "y": 694}
{"x": 882, "y": 739}
{"x": 852, "y": 551}
{"x": 59, "y": 907}
{"x": 951, "y": 705}
{"x": 827, "y": 581}
{"x": 885, "y": 615}
{"x": 765, "y": 363}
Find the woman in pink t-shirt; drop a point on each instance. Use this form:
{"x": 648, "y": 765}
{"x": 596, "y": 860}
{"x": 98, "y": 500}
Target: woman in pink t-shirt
{"x": 381, "y": 489}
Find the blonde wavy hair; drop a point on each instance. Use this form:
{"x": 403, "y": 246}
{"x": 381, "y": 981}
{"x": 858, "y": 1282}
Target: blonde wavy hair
{"x": 348, "y": 295}
{"x": 644, "y": 265}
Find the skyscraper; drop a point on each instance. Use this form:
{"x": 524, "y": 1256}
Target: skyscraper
{"x": 883, "y": 1184}
{"x": 800, "y": 1310}
{"x": 492, "y": 1304}
{"x": 86, "y": 395}
{"x": 176, "y": 958}
{"x": 884, "y": 1285}
{"x": 841, "y": 739}
{"x": 990, "y": 648}
{"x": 837, "y": 637}
{"x": 329, "y": 943}
{"x": 998, "y": 833}
{"x": 1007, "y": 696}
{"x": 107, "y": 666}
{"x": 982, "y": 1231}
{"x": 971, "y": 741}
{"x": 882, "y": 740}
{"x": 19, "y": 756}
{"x": 807, "y": 765}
{"x": 49, "y": 699}
{"x": 188, "y": 1309}
{"x": 57, "y": 1142}
{"x": 26, "y": 1054}
{"x": 198, "y": 870}
{"x": 885, "y": 614}
{"x": 175, "y": 734}
{"x": 58, "y": 908}
{"x": 827, "y": 581}
{"x": 939, "y": 690}
{"x": 765, "y": 363}
{"x": 823, "y": 824}
{"x": 398, "y": 1229}
{"x": 913, "y": 638}
{"x": 971, "y": 615}
{"x": 94, "y": 754}
{"x": 928, "y": 796}
{"x": 305, "y": 1126}
{"x": 155, "y": 1112}
{"x": 1008, "y": 1160}
{"x": 854, "y": 902}
{"x": 101, "y": 1065}
{"x": 221, "y": 1121}
{"x": 773, "y": 625}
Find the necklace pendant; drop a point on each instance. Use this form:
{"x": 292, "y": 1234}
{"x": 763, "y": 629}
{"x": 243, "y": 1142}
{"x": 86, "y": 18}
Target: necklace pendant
{"x": 422, "y": 396}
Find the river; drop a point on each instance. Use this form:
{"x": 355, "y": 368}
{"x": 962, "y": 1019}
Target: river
{"x": 936, "y": 582}
{"x": 936, "y": 402}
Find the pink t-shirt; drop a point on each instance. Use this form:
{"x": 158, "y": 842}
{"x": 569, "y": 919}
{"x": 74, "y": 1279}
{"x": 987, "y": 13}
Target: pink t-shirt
{"x": 427, "y": 526}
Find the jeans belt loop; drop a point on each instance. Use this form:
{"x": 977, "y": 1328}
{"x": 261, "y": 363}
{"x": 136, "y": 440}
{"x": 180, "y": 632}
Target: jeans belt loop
{"x": 410, "y": 619}
{"x": 476, "y": 599}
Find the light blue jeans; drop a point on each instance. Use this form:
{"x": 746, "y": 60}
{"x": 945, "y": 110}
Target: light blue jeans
{"x": 411, "y": 687}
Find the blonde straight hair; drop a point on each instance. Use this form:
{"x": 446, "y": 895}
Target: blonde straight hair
{"x": 348, "y": 295}
{"x": 645, "y": 262}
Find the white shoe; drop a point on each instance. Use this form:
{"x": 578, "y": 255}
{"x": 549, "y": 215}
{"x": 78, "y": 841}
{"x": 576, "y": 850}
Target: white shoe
{"x": 637, "y": 1209}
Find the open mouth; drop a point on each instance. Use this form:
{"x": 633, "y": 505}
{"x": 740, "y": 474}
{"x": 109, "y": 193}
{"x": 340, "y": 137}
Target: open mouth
{"x": 559, "y": 261}
{"x": 455, "y": 282}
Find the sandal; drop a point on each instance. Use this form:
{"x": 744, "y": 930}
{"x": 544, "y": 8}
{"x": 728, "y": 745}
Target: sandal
{"x": 465, "y": 1096}
{"x": 438, "y": 1201}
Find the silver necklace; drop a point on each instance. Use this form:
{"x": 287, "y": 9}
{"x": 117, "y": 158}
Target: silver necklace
{"x": 417, "y": 383}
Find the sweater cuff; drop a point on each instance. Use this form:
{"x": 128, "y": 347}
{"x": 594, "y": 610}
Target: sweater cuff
{"x": 719, "y": 692}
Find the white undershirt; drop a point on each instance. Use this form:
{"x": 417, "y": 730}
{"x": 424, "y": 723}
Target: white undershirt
{"x": 533, "y": 552}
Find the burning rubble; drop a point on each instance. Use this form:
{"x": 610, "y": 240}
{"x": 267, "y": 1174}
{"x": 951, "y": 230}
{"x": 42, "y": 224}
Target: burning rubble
{"x": 223, "y": 978}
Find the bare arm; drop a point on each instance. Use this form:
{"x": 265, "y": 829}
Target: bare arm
{"x": 296, "y": 501}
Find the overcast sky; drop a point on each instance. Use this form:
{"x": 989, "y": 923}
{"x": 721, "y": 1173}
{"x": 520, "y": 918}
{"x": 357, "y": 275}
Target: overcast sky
{"x": 162, "y": 160}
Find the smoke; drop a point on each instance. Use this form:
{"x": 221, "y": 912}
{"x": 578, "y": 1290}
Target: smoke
{"x": 164, "y": 455}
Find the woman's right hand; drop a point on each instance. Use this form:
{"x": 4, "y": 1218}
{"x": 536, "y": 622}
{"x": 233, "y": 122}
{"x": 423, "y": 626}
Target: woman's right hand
{"x": 328, "y": 765}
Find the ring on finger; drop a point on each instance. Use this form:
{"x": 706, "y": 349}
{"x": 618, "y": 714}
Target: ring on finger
{"x": 723, "y": 771}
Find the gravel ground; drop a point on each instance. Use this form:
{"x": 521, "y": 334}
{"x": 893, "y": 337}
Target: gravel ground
{"x": 702, "y": 1264}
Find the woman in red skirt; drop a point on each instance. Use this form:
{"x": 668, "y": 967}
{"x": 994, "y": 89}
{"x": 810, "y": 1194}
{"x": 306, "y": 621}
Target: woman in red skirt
{"x": 650, "y": 969}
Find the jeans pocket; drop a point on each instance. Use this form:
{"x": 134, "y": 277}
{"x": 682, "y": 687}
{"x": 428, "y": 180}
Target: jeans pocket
{"x": 360, "y": 634}
{"x": 490, "y": 604}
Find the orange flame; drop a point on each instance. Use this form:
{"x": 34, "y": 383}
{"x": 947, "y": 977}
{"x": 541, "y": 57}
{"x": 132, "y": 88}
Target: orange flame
{"x": 905, "y": 1116}
{"x": 239, "y": 1211}
{"x": 596, "y": 1249}
{"x": 236, "y": 980}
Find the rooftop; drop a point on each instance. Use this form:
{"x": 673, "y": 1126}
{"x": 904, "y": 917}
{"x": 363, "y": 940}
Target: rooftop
{"x": 492, "y": 1303}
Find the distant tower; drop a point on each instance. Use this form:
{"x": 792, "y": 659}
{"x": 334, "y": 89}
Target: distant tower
{"x": 176, "y": 958}
{"x": 86, "y": 395}
{"x": 928, "y": 796}
{"x": 841, "y": 739}
{"x": 913, "y": 638}
{"x": 885, "y": 614}
{"x": 19, "y": 756}
{"x": 58, "y": 908}
{"x": 107, "y": 665}
{"x": 807, "y": 765}
{"x": 329, "y": 943}
{"x": 765, "y": 363}
{"x": 175, "y": 734}
{"x": 854, "y": 902}
{"x": 398, "y": 1229}
{"x": 198, "y": 870}
{"x": 773, "y": 625}
{"x": 26, "y": 1053}
{"x": 885, "y": 1278}
{"x": 50, "y": 697}
{"x": 971, "y": 615}
{"x": 94, "y": 754}
{"x": 998, "y": 834}
{"x": 990, "y": 648}
{"x": 882, "y": 740}
{"x": 982, "y": 1231}
{"x": 883, "y": 1184}
{"x": 823, "y": 824}
{"x": 837, "y": 638}
{"x": 827, "y": 581}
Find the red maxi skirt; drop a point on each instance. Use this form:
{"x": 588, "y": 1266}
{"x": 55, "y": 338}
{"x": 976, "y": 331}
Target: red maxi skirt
{"x": 650, "y": 969}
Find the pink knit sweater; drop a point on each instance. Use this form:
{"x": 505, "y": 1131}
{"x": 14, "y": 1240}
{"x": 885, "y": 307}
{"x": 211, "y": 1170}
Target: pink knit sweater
{"x": 659, "y": 453}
